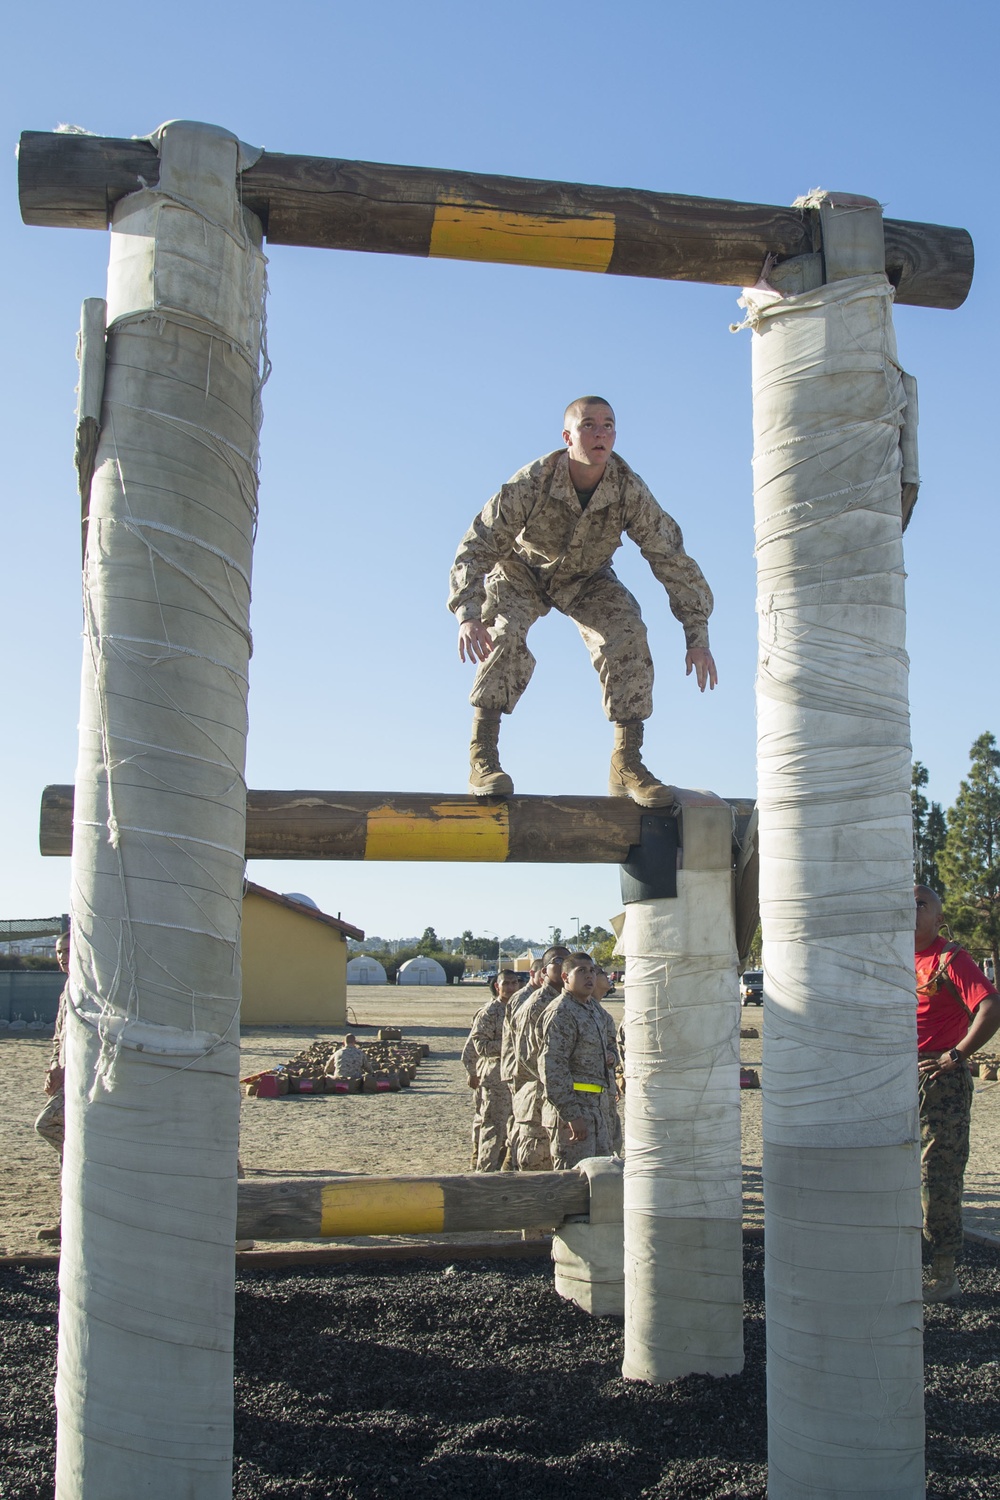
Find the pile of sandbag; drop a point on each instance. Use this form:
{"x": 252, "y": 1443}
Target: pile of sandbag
{"x": 392, "y": 1064}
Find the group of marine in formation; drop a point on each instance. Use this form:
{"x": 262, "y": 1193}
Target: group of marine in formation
{"x": 545, "y": 1063}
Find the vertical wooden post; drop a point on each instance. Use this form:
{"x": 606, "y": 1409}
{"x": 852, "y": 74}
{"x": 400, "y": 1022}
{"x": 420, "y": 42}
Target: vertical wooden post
{"x": 683, "y": 1179}
{"x": 144, "y": 1391}
{"x": 841, "y": 1171}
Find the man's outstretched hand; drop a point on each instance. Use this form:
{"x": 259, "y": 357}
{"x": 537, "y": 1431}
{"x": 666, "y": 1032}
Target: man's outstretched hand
{"x": 701, "y": 661}
{"x": 474, "y": 641}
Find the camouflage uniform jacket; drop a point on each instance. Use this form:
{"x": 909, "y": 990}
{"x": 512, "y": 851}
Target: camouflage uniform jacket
{"x": 508, "y": 1058}
{"x": 534, "y": 533}
{"x": 524, "y": 1028}
{"x": 350, "y": 1062}
{"x": 574, "y": 1050}
{"x": 486, "y": 1036}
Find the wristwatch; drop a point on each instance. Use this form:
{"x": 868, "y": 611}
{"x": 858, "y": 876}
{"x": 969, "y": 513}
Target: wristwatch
{"x": 955, "y": 1055}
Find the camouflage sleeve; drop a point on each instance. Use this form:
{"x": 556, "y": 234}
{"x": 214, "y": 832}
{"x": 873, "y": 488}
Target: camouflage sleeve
{"x": 517, "y": 1071}
{"x": 469, "y": 1059}
{"x": 560, "y": 1032}
{"x": 508, "y": 1054}
{"x": 487, "y": 1030}
{"x": 488, "y": 541}
{"x": 610, "y": 1035}
{"x": 508, "y": 1039}
{"x": 661, "y": 543}
{"x": 57, "y": 1059}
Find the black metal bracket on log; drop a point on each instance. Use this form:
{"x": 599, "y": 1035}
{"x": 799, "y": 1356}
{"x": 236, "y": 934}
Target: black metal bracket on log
{"x": 650, "y": 872}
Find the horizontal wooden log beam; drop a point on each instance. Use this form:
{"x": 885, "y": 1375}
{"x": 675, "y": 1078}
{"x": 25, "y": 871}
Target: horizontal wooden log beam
{"x": 426, "y": 826}
{"x": 75, "y": 181}
{"x": 307, "y": 1208}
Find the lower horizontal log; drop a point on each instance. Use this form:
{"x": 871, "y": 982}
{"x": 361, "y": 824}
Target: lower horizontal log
{"x": 306, "y": 1208}
{"x": 425, "y": 826}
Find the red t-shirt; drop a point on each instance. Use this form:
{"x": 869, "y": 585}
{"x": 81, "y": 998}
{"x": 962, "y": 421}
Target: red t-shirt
{"x": 941, "y": 1021}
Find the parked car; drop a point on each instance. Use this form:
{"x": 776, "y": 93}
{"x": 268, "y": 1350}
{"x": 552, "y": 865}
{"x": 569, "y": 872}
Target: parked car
{"x": 752, "y": 987}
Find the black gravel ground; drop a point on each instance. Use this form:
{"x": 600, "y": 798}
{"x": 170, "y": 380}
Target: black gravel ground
{"x": 384, "y": 1380}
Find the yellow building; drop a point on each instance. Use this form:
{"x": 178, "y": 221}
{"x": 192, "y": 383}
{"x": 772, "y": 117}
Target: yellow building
{"x": 294, "y": 961}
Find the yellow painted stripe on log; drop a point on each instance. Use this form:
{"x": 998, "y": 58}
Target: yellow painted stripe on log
{"x": 452, "y": 830}
{"x": 473, "y": 231}
{"x": 389, "y": 1208}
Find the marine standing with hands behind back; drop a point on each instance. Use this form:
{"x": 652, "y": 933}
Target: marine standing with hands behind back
{"x": 577, "y": 1069}
{"x": 546, "y": 540}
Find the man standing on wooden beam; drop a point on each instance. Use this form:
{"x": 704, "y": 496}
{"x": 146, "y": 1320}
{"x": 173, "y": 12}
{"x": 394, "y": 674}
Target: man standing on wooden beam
{"x": 545, "y": 540}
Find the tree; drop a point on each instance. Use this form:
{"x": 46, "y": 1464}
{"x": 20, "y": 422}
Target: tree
{"x": 930, "y": 855}
{"x": 481, "y": 947}
{"x": 429, "y": 943}
{"x": 591, "y": 936}
{"x": 603, "y": 951}
{"x": 970, "y": 860}
{"x": 929, "y": 829}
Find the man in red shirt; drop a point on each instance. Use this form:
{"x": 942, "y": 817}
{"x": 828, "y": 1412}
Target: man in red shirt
{"x": 958, "y": 1011}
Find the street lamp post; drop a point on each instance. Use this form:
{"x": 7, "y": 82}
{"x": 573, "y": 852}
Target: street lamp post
{"x": 576, "y": 921}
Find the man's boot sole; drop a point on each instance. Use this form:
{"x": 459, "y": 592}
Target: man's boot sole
{"x": 666, "y": 799}
{"x": 497, "y": 786}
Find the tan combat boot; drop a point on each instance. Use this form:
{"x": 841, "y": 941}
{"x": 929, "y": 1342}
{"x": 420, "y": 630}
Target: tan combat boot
{"x": 943, "y": 1285}
{"x": 487, "y": 778}
{"x": 629, "y": 777}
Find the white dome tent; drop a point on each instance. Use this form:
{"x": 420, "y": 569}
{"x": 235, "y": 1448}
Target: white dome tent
{"x": 421, "y": 970}
{"x": 365, "y": 970}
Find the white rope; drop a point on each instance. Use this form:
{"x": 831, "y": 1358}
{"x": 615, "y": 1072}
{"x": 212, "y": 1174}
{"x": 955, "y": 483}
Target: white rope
{"x": 144, "y": 1391}
{"x": 841, "y": 1172}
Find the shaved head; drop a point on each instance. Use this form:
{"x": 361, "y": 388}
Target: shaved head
{"x": 924, "y": 893}
{"x": 928, "y": 919}
{"x": 576, "y": 408}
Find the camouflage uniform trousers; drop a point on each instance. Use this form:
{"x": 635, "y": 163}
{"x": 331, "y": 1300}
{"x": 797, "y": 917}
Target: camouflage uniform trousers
{"x": 494, "y": 1117}
{"x": 607, "y": 617}
{"x": 529, "y": 1140}
{"x": 596, "y": 1142}
{"x": 477, "y": 1126}
{"x": 51, "y": 1123}
{"x": 945, "y": 1111}
{"x": 613, "y": 1112}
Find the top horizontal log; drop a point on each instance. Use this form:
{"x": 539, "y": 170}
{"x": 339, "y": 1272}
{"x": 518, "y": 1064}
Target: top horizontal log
{"x": 74, "y": 181}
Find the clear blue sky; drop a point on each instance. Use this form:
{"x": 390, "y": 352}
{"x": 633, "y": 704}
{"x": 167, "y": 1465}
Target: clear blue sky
{"x": 405, "y": 390}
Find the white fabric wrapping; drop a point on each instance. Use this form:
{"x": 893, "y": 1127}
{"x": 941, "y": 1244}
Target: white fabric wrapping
{"x": 683, "y": 1191}
{"x": 144, "y": 1390}
{"x": 841, "y": 1171}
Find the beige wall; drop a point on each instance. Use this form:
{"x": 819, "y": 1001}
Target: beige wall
{"x": 294, "y": 968}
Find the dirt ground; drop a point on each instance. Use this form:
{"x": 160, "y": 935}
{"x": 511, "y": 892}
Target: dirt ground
{"x": 424, "y": 1129}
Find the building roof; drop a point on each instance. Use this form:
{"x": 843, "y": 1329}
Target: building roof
{"x": 14, "y": 931}
{"x": 344, "y": 928}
